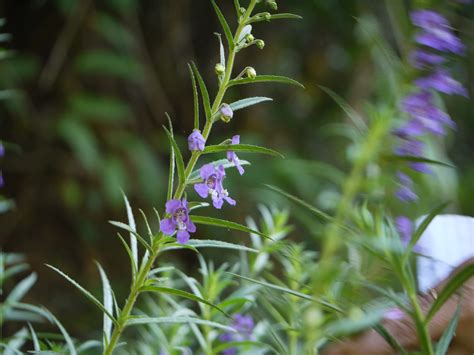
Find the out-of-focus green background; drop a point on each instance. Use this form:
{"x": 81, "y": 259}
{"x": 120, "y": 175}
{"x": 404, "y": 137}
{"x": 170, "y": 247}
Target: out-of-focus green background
{"x": 94, "y": 78}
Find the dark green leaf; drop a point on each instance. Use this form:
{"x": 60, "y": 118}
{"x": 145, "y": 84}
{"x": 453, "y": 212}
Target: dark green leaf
{"x": 247, "y": 148}
{"x": 204, "y": 93}
{"x": 412, "y": 159}
{"x": 210, "y": 221}
{"x": 265, "y": 78}
{"x": 130, "y": 230}
{"x": 225, "y": 26}
{"x": 224, "y": 162}
{"x": 178, "y": 157}
{"x": 196, "y": 98}
{"x": 451, "y": 287}
{"x": 172, "y": 165}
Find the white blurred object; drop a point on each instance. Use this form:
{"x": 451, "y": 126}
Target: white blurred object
{"x": 446, "y": 243}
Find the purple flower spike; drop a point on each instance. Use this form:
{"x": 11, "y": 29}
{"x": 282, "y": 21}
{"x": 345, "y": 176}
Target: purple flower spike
{"x": 405, "y": 193}
{"x": 232, "y": 157}
{"x": 179, "y": 220}
{"x": 196, "y": 141}
{"x": 428, "y": 20}
{"x": 404, "y": 227}
{"x": 212, "y": 185}
{"x": 226, "y": 113}
{"x": 443, "y": 82}
{"x": 244, "y": 326}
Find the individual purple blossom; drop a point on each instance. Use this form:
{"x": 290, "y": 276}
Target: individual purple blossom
{"x": 443, "y": 82}
{"x": 179, "y": 220}
{"x": 232, "y": 157}
{"x": 404, "y": 227}
{"x": 213, "y": 177}
{"x": 226, "y": 112}
{"x": 196, "y": 141}
{"x": 393, "y": 314}
{"x": 405, "y": 192}
{"x": 422, "y": 59}
{"x": 428, "y": 20}
{"x": 413, "y": 148}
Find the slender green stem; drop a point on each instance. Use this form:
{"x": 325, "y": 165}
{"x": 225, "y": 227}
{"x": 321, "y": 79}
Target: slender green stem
{"x": 145, "y": 269}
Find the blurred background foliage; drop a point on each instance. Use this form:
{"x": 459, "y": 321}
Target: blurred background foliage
{"x": 92, "y": 80}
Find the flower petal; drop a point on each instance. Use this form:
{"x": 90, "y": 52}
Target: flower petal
{"x": 167, "y": 226}
{"x": 206, "y": 170}
{"x": 201, "y": 189}
{"x": 172, "y": 205}
{"x": 182, "y": 237}
{"x": 190, "y": 226}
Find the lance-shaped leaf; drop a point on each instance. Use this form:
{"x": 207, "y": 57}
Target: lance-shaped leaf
{"x": 445, "y": 340}
{"x": 169, "y": 193}
{"x": 131, "y": 223}
{"x": 422, "y": 227}
{"x": 180, "y": 293}
{"x": 178, "y": 157}
{"x": 108, "y": 305}
{"x": 179, "y": 319}
{"x": 246, "y": 148}
{"x": 225, "y": 25}
{"x": 224, "y": 162}
{"x": 250, "y": 101}
{"x": 129, "y": 252}
{"x": 281, "y": 16}
{"x": 195, "y": 98}
{"x": 289, "y": 291}
{"x": 413, "y": 159}
{"x": 210, "y": 221}
{"x": 451, "y": 287}
{"x": 21, "y": 289}
{"x": 204, "y": 93}
{"x": 264, "y": 79}
{"x": 86, "y": 293}
{"x": 127, "y": 228}
{"x": 209, "y": 243}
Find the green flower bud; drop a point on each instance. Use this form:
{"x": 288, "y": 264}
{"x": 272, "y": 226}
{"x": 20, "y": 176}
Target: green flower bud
{"x": 260, "y": 44}
{"x": 251, "y": 73}
{"x": 249, "y": 37}
{"x": 219, "y": 68}
{"x": 242, "y": 10}
{"x": 273, "y": 5}
{"x": 267, "y": 16}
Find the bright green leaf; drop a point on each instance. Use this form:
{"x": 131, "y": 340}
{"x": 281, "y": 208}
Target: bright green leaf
{"x": 246, "y": 148}
{"x": 265, "y": 78}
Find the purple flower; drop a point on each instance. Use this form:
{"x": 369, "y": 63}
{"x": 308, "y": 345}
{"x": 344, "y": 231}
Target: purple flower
{"x": 404, "y": 227}
{"x": 196, "y": 141}
{"x": 428, "y": 19}
{"x": 2, "y": 150}
{"x": 244, "y": 325}
{"x": 226, "y": 113}
{"x": 212, "y": 185}
{"x": 394, "y": 314}
{"x": 405, "y": 192}
{"x": 422, "y": 59}
{"x": 441, "y": 81}
{"x": 179, "y": 220}
{"x": 232, "y": 157}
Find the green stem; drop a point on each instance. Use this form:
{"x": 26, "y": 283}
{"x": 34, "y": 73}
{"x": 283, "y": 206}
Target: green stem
{"x": 145, "y": 269}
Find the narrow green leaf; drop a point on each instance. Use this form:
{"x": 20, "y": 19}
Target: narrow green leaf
{"x": 131, "y": 223}
{"x": 178, "y": 157}
{"x": 172, "y": 165}
{"x": 195, "y": 98}
{"x": 196, "y": 205}
{"x": 290, "y": 292}
{"x": 422, "y": 227}
{"x": 225, "y": 25}
{"x": 129, "y": 252}
{"x": 21, "y": 288}
{"x": 221, "y": 49}
{"x": 209, "y": 243}
{"x": 413, "y": 159}
{"x": 246, "y": 148}
{"x": 237, "y": 7}
{"x": 86, "y": 293}
{"x": 250, "y": 101}
{"x": 34, "y": 338}
{"x": 179, "y": 319}
{"x": 127, "y": 228}
{"x": 210, "y": 221}
{"x": 180, "y": 293}
{"x": 357, "y": 119}
{"x": 451, "y": 287}
{"x": 284, "y": 15}
{"x": 204, "y": 93}
{"x": 445, "y": 340}
{"x": 224, "y": 162}
{"x": 320, "y": 214}
{"x": 108, "y": 305}
{"x": 265, "y": 78}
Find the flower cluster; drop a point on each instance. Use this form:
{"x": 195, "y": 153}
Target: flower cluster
{"x": 434, "y": 39}
{"x": 244, "y": 326}
{"x": 212, "y": 177}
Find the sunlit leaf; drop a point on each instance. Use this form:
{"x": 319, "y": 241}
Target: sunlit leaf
{"x": 250, "y": 101}
{"x": 108, "y": 305}
{"x": 132, "y": 225}
{"x": 246, "y": 148}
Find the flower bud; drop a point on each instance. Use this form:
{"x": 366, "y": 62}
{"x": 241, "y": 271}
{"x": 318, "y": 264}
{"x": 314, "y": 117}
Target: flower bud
{"x": 219, "y": 68}
{"x": 251, "y": 73}
{"x": 266, "y": 16}
{"x": 249, "y": 37}
{"x": 260, "y": 44}
{"x": 273, "y": 5}
{"x": 226, "y": 113}
{"x": 242, "y": 10}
